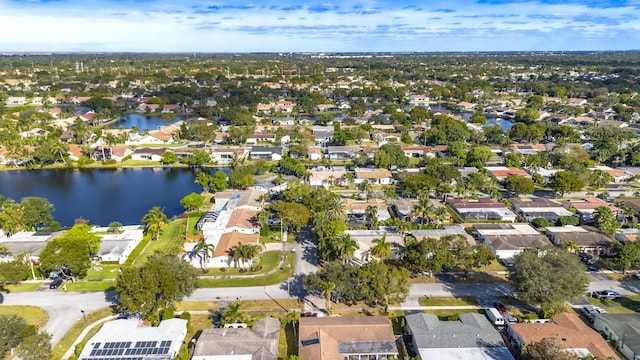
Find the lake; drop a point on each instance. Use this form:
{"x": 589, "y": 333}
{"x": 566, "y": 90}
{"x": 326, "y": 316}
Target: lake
{"x": 143, "y": 122}
{"x": 103, "y": 195}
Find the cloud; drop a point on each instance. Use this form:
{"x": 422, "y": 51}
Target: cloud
{"x": 444, "y": 10}
{"x": 322, "y": 8}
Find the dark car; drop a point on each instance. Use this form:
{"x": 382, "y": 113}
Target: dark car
{"x": 500, "y": 307}
{"x": 56, "y": 283}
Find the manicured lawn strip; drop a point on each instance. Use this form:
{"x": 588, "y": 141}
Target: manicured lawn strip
{"x": 194, "y": 216}
{"x": 76, "y": 329}
{"x": 447, "y": 301}
{"x": 197, "y": 306}
{"x": 31, "y": 314}
{"x": 102, "y": 272}
{"x": 627, "y": 304}
{"x": 23, "y": 287}
{"x": 275, "y": 278}
{"x": 269, "y": 261}
{"x": 138, "y": 250}
{"x": 90, "y": 286}
{"x": 480, "y": 278}
{"x": 494, "y": 266}
{"x": 171, "y": 239}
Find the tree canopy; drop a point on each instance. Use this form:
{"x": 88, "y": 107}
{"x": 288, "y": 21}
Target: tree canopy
{"x": 155, "y": 286}
{"x": 72, "y": 249}
{"x": 548, "y": 277}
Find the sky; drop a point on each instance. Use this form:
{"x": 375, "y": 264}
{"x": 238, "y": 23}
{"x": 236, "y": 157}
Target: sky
{"x": 318, "y": 25}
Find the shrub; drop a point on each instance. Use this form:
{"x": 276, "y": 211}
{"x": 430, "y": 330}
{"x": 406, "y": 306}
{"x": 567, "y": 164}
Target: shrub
{"x": 109, "y": 162}
{"x": 567, "y": 220}
{"x": 540, "y": 222}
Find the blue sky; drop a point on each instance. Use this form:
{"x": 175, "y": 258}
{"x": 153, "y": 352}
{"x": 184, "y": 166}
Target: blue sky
{"x": 318, "y": 26}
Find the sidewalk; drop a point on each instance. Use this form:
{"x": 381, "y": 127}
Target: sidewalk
{"x": 82, "y": 335}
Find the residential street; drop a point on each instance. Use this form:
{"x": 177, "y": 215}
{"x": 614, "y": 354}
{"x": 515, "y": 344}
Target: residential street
{"x": 64, "y": 308}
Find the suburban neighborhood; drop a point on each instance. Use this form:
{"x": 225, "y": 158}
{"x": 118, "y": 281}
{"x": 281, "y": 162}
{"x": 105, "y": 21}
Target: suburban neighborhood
{"x": 391, "y": 206}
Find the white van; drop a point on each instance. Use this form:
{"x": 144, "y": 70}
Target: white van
{"x": 494, "y": 316}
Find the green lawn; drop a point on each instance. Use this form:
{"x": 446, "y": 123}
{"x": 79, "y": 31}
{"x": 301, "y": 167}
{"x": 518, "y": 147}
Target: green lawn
{"x": 171, "y": 241}
{"x": 449, "y": 315}
{"x": 31, "y": 314}
{"x": 194, "y": 216}
{"x": 627, "y": 304}
{"x": 269, "y": 261}
{"x": 447, "y": 301}
{"x": 23, "y": 287}
{"x": 90, "y": 286}
{"x": 494, "y": 266}
{"x": 102, "y": 272}
{"x": 275, "y": 278}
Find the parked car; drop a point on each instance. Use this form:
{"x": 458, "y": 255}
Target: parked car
{"x": 510, "y": 319}
{"x": 606, "y": 295}
{"x": 273, "y": 221}
{"x": 500, "y": 307}
{"x": 638, "y": 276}
{"x": 56, "y": 283}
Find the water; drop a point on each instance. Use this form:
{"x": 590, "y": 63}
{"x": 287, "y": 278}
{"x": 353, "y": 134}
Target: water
{"x": 103, "y": 195}
{"x": 143, "y": 122}
{"x": 504, "y": 124}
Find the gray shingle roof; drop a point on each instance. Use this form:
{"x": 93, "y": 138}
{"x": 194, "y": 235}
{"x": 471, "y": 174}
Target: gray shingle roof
{"x": 471, "y": 331}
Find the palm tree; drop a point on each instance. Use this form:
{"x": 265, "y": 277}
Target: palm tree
{"x": 571, "y": 246}
{"x": 243, "y": 252}
{"x": 350, "y": 177}
{"x": 345, "y": 247}
{"x": 154, "y": 220}
{"x": 382, "y": 248}
{"x": 365, "y": 187}
{"x": 232, "y": 314}
{"x": 237, "y": 160}
{"x": 293, "y": 317}
{"x": 60, "y": 149}
{"x": 328, "y": 289}
{"x": 371, "y": 214}
{"x": 424, "y": 210}
{"x": 205, "y": 249}
{"x": 335, "y": 210}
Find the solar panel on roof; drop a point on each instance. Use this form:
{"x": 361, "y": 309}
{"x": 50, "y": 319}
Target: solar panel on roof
{"x": 164, "y": 350}
{"x": 96, "y": 345}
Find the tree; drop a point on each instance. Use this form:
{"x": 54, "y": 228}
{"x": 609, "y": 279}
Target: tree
{"x": 11, "y": 217}
{"x": 390, "y": 155}
{"x": 294, "y": 215}
{"x": 605, "y": 220}
{"x": 548, "y": 277}
{"x": 565, "y": 181}
{"x": 335, "y": 209}
{"x": 192, "y": 201}
{"x": 345, "y": 247}
{"x": 599, "y": 179}
{"x": 218, "y": 182}
{"x": 371, "y": 214}
{"x": 328, "y": 289}
{"x": 72, "y": 249}
{"x": 169, "y": 157}
{"x": 382, "y": 248}
{"x": 115, "y": 226}
{"x": 204, "y": 180}
{"x": 365, "y": 187}
{"x": 35, "y": 347}
{"x": 157, "y": 285}
{"x": 627, "y": 255}
{"x": 13, "y": 272}
{"x": 519, "y": 185}
{"x": 203, "y": 250}
{"x": 11, "y": 328}
{"x": 154, "y": 220}
{"x": 233, "y": 315}
{"x": 36, "y": 211}
{"x": 547, "y": 349}
{"x": 478, "y": 156}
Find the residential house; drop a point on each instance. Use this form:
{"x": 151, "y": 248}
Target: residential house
{"x": 75, "y": 152}
{"x": 576, "y": 101}
{"x": 501, "y": 172}
{"x": 472, "y": 337}
{"x": 402, "y": 208}
{"x": 482, "y": 209}
{"x": 465, "y": 105}
{"x": 243, "y": 220}
{"x": 152, "y": 154}
{"x": 315, "y": 153}
{"x": 342, "y": 152}
{"x": 239, "y": 199}
{"x": 373, "y": 176}
{"x": 284, "y": 106}
{"x": 116, "y": 247}
{"x": 529, "y": 149}
{"x": 584, "y": 208}
{"x": 348, "y": 337}
{"x": 618, "y": 175}
{"x": 129, "y": 338}
{"x": 322, "y": 134}
{"x": 223, "y": 249}
{"x": 566, "y": 328}
{"x": 117, "y": 153}
{"x": 621, "y": 329}
{"x": 152, "y": 137}
{"x": 451, "y": 231}
{"x": 356, "y": 209}
{"x": 326, "y": 177}
{"x": 225, "y": 155}
{"x": 256, "y": 138}
{"x": 533, "y": 207}
{"x": 419, "y": 100}
{"x": 364, "y": 239}
{"x": 266, "y": 153}
{"x": 417, "y": 151}
{"x": 257, "y": 343}
{"x": 588, "y": 239}
{"x": 507, "y": 240}
{"x": 25, "y": 242}
{"x": 15, "y": 100}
